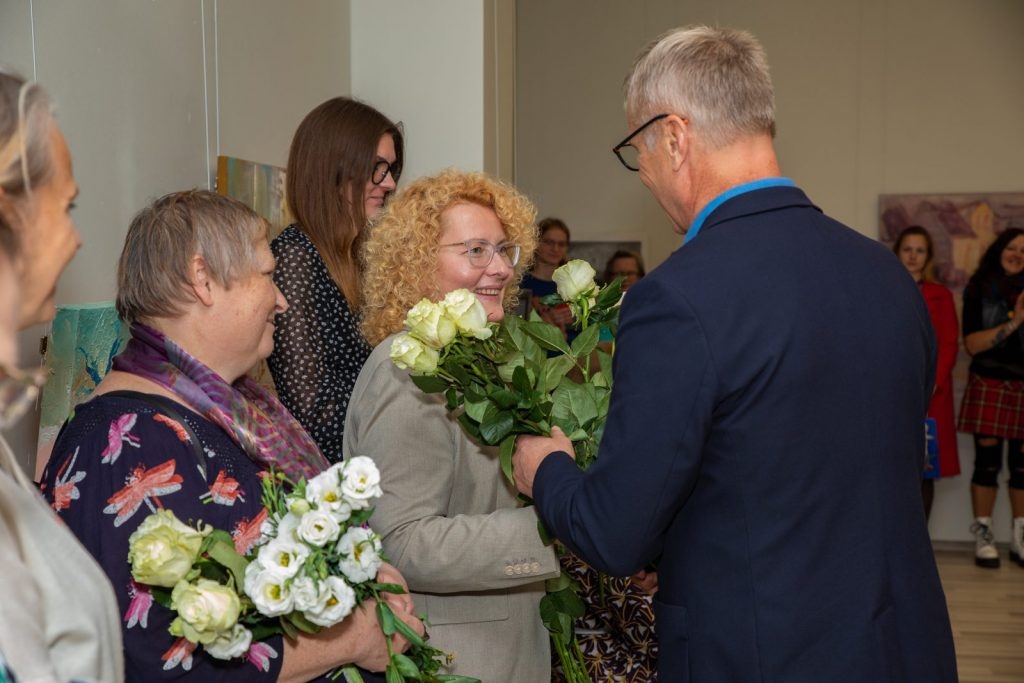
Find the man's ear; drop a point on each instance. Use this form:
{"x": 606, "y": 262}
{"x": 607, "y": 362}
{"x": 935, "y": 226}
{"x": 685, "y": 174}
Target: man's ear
{"x": 200, "y": 281}
{"x": 678, "y": 133}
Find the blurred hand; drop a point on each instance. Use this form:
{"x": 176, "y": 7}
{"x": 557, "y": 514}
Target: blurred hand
{"x": 1018, "y": 308}
{"x": 647, "y": 581}
{"x": 530, "y": 453}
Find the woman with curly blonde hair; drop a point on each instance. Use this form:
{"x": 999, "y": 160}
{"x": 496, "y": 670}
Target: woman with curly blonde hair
{"x": 450, "y": 521}
{"x": 401, "y": 257}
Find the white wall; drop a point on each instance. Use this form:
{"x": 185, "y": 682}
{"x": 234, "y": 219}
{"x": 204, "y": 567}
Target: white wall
{"x": 148, "y": 94}
{"x": 873, "y": 97}
{"x": 421, "y": 63}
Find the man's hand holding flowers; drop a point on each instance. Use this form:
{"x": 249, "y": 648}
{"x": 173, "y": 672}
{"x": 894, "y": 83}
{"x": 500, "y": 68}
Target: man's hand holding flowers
{"x": 530, "y": 453}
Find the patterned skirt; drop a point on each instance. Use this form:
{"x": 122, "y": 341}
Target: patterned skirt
{"x": 993, "y": 407}
{"x": 616, "y": 633}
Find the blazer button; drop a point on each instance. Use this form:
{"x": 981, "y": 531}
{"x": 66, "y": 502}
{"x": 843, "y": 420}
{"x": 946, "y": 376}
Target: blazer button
{"x": 508, "y": 570}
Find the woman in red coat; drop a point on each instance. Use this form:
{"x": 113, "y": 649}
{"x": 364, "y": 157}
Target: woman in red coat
{"x": 915, "y": 251}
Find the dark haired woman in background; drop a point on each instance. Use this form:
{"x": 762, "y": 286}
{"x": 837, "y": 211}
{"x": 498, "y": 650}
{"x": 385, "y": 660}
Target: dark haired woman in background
{"x": 551, "y": 253}
{"x": 344, "y": 163}
{"x": 916, "y": 252}
{"x": 993, "y": 404}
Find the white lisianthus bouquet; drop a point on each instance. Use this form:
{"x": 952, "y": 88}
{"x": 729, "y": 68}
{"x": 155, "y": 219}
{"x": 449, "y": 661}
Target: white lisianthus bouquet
{"x": 522, "y": 377}
{"x": 316, "y": 560}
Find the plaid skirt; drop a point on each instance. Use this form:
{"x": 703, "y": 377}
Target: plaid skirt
{"x": 994, "y": 407}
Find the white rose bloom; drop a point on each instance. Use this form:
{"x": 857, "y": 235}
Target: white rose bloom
{"x": 574, "y": 279}
{"x": 462, "y": 306}
{"x": 205, "y": 608}
{"x": 361, "y": 482}
{"x": 305, "y": 592}
{"x": 337, "y": 601}
{"x": 410, "y": 353}
{"x": 428, "y": 323}
{"x": 282, "y": 557}
{"x": 231, "y": 644}
{"x": 271, "y": 594}
{"x": 360, "y": 551}
{"x": 324, "y": 492}
{"x": 318, "y": 527}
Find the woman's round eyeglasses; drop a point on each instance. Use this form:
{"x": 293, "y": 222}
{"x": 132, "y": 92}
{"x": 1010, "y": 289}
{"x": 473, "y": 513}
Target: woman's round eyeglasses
{"x": 481, "y": 252}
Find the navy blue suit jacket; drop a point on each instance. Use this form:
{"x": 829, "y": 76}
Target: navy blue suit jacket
{"x": 764, "y": 445}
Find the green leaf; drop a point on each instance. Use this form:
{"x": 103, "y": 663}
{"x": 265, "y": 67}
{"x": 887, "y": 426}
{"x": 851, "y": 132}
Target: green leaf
{"x": 547, "y": 336}
{"x": 225, "y": 553}
{"x": 392, "y": 675}
{"x": 414, "y": 638}
{"x": 351, "y": 675}
{"x": 386, "y": 618}
{"x": 504, "y": 399}
{"x": 586, "y": 341}
{"x": 496, "y": 424}
{"x": 609, "y": 296}
{"x": 508, "y": 447}
{"x": 405, "y": 666}
{"x": 575, "y": 404}
{"x": 555, "y": 368}
{"x": 430, "y": 384}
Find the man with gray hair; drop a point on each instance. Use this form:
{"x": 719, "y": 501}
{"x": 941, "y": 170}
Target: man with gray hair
{"x": 764, "y": 443}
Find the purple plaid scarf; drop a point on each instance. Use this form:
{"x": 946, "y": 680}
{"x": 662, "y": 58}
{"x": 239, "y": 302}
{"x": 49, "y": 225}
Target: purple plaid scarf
{"x": 251, "y": 415}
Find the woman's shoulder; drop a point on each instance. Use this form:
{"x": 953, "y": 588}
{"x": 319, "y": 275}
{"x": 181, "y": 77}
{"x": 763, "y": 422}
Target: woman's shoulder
{"x": 293, "y": 240}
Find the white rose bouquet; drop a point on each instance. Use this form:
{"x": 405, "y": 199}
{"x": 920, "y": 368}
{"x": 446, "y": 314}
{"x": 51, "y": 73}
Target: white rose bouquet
{"x": 315, "y": 561}
{"x": 522, "y": 377}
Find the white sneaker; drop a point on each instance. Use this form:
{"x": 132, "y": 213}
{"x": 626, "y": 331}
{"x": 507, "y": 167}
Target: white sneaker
{"x": 985, "y": 552}
{"x": 1017, "y": 541}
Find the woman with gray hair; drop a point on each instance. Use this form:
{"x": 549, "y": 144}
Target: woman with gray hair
{"x": 59, "y": 615}
{"x": 177, "y": 424}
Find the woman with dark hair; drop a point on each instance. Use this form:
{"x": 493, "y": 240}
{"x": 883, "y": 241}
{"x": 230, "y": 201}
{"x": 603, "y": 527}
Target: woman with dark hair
{"x": 993, "y": 404}
{"x": 625, "y": 264}
{"x": 552, "y": 249}
{"x": 344, "y": 163}
{"x": 917, "y": 254}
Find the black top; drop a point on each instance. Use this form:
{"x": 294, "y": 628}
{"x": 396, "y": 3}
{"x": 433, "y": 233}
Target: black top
{"x": 988, "y": 305}
{"x": 318, "y": 349}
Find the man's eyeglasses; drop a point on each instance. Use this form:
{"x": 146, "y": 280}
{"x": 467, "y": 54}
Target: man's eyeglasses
{"x": 381, "y": 170}
{"x": 626, "y": 152}
{"x": 18, "y": 389}
{"x": 481, "y": 252}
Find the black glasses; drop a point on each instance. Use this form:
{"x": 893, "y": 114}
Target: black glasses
{"x": 382, "y": 168}
{"x": 481, "y": 252}
{"x": 626, "y": 152}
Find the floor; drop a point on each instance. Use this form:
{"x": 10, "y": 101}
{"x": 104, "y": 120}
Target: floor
{"x": 986, "y": 608}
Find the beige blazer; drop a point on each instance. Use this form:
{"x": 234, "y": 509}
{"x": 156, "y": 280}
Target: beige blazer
{"x": 58, "y": 614}
{"x": 452, "y": 525}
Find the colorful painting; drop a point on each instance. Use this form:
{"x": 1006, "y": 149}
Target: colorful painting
{"x": 258, "y": 186}
{"x": 962, "y": 226}
{"x": 79, "y": 351}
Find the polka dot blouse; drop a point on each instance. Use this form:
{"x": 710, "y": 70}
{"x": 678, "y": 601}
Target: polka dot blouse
{"x": 318, "y": 349}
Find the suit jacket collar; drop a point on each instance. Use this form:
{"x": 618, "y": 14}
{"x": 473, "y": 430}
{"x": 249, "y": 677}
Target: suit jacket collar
{"x": 756, "y": 201}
